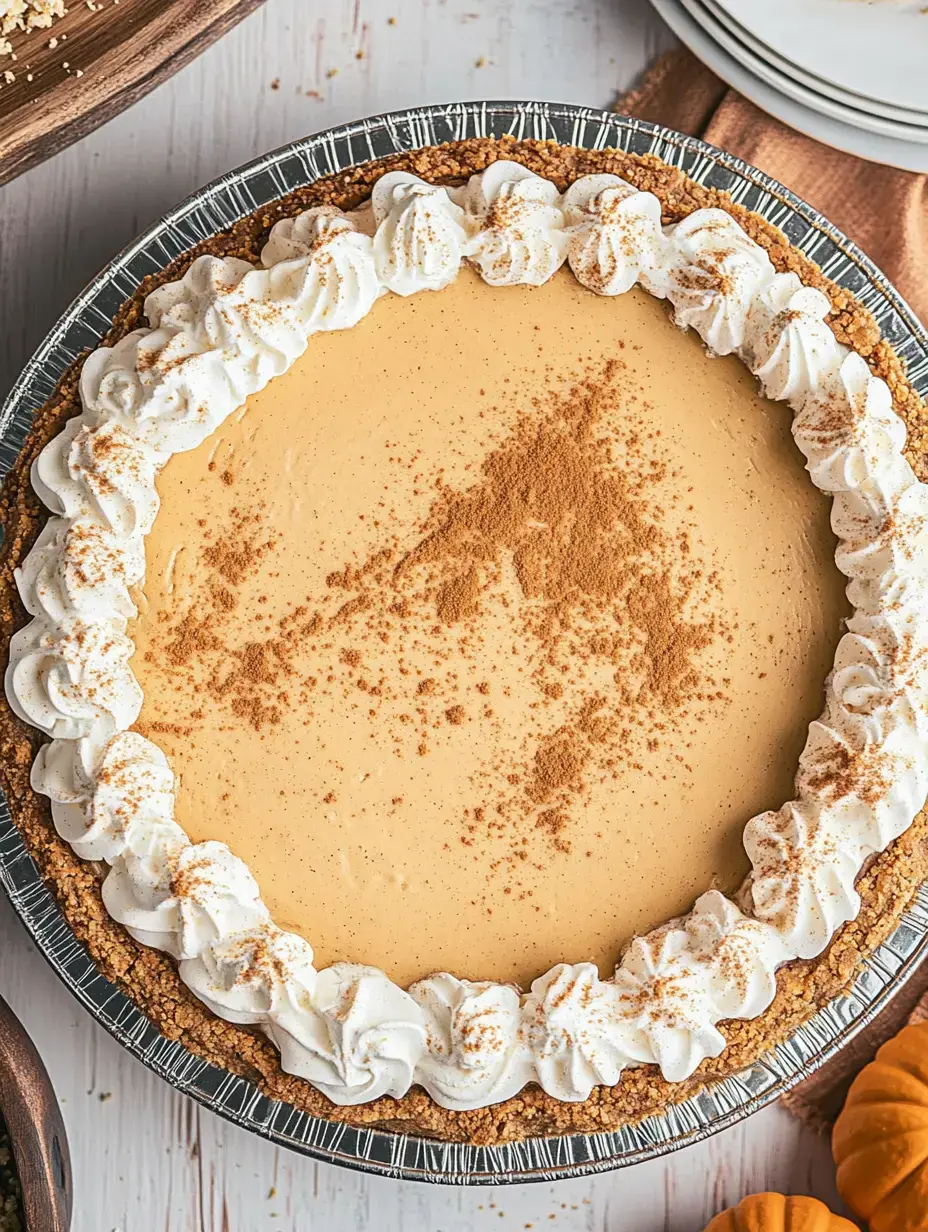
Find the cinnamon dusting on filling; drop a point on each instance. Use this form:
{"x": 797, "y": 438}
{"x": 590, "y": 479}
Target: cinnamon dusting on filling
{"x": 566, "y": 528}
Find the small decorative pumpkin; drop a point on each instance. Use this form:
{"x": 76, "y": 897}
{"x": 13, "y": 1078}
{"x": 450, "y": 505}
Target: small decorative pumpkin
{"x": 773, "y": 1212}
{"x": 880, "y": 1141}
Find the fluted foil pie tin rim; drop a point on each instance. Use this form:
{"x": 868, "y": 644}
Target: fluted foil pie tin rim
{"x": 213, "y": 209}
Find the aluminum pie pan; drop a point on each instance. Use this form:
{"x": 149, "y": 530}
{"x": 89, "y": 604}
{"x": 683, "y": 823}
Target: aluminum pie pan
{"x": 213, "y": 209}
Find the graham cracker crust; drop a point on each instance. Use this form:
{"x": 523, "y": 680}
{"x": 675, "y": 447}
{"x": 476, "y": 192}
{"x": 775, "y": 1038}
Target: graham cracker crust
{"x": 150, "y": 979}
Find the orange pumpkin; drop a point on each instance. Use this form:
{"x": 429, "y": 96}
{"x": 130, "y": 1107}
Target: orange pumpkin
{"x": 880, "y": 1143}
{"x": 772, "y": 1212}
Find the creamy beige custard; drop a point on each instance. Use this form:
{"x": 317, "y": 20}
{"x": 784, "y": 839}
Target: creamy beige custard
{"x": 403, "y": 662}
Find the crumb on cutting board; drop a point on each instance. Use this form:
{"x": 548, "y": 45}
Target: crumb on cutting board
{"x": 18, "y": 15}
{"x": 29, "y": 14}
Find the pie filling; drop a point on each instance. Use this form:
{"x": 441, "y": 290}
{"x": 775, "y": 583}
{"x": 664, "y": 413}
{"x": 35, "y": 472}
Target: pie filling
{"x": 479, "y": 633}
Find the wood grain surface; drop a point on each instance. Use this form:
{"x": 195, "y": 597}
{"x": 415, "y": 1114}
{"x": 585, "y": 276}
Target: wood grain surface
{"x": 92, "y": 63}
{"x": 145, "y": 1158}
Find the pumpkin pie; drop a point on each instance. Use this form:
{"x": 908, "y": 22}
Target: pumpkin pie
{"x": 468, "y": 642}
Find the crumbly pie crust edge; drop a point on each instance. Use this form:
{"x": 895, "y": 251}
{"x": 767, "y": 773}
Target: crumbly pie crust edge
{"x": 152, "y": 981}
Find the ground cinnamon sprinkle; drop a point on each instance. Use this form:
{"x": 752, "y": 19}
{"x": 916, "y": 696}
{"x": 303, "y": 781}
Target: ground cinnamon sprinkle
{"x": 459, "y": 598}
{"x": 189, "y": 637}
{"x": 198, "y": 640}
{"x": 580, "y": 535}
{"x": 235, "y": 558}
{"x": 558, "y": 763}
{"x": 553, "y": 821}
{"x": 565, "y": 527}
{"x": 671, "y": 642}
{"x": 845, "y": 772}
{"x": 604, "y": 579}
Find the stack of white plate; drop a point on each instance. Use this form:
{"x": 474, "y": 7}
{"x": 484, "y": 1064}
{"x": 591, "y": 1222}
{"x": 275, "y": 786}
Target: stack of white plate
{"x": 850, "y": 73}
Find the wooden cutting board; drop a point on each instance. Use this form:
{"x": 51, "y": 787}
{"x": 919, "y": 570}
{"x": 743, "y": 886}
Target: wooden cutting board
{"x": 115, "y": 53}
{"x": 32, "y": 1115}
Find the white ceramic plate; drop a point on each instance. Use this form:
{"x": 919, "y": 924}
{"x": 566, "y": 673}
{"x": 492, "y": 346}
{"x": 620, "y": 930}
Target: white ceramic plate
{"x": 770, "y": 74}
{"x": 909, "y": 155}
{"x": 878, "y": 50}
{"x": 817, "y": 84}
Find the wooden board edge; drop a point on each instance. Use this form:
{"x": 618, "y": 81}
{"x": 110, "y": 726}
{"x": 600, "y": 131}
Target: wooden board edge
{"x": 36, "y": 1129}
{"x": 19, "y": 152}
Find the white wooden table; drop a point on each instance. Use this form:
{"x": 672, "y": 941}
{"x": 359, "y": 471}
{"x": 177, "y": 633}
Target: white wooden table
{"x": 146, "y": 1159}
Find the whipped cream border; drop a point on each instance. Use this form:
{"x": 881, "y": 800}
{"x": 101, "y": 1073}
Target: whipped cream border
{"x": 220, "y": 334}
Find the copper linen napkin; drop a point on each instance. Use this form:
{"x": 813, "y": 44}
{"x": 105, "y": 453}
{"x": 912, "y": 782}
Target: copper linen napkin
{"x": 883, "y": 210}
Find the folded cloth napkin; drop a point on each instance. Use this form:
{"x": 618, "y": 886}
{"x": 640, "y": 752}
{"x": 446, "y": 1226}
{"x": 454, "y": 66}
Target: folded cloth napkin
{"x": 883, "y": 210}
